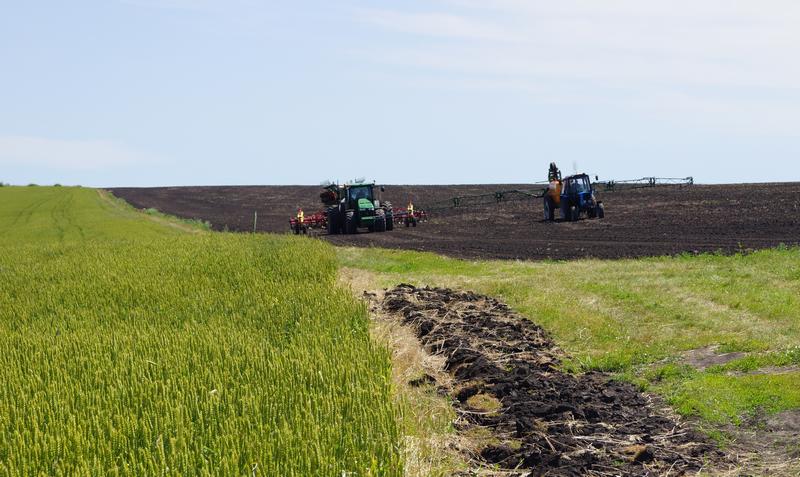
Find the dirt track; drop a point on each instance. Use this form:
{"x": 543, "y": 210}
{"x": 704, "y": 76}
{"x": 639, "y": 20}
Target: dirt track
{"x": 543, "y": 421}
{"x": 642, "y": 222}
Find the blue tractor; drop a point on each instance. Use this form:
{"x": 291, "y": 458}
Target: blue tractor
{"x": 573, "y": 195}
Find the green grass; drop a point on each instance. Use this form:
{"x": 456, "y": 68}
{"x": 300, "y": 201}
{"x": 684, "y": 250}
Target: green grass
{"x": 131, "y": 347}
{"x": 198, "y": 223}
{"x": 722, "y": 399}
{"x": 50, "y": 215}
{"x": 631, "y": 317}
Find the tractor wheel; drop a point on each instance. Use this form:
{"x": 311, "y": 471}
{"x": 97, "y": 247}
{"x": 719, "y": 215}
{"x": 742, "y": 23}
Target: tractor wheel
{"x": 601, "y": 211}
{"x": 333, "y": 221}
{"x": 380, "y": 220}
{"x": 413, "y": 221}
{"x": 549, "y": 209}
{"x": 387, "y": 207}
{"x": 591, "y": 212}
{"x": 574, "y": 214}
{"x": 350, "y": 225}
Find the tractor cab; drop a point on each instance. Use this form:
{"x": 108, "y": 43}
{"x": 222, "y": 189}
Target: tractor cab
{"x": 576, "y": 187}
{"x": 360, "y": 197}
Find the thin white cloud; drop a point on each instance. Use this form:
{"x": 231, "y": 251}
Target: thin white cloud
{"x": 704, "y": 41}
{"x": 67, "y": 154}
{"x": 663, "y": 51}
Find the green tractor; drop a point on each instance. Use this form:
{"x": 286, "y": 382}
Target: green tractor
{"x": 354, "y": 206}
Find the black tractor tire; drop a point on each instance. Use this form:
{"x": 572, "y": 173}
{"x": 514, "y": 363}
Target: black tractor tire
{"x": 387, "y": 210}
{"x": 350, "y": 225}
{"x": 601, "y": 211}
{"x": 549, "y": 209}
{"x": 592, "y": 212}
{"x": 575, "y": 214}
{"x": 380, "y": 222}
{"x": 333, "y": 221}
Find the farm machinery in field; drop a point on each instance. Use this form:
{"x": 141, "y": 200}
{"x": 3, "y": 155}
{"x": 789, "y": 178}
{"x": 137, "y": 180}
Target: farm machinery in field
{"x": 573, "y": 196}
{"x": 567, "y": 198}
{"x": 351, "y": 207}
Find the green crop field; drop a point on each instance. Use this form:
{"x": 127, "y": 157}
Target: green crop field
{"x": 132, "y": 346}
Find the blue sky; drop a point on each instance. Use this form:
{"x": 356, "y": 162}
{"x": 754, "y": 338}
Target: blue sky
{"x": 183, "y": 92}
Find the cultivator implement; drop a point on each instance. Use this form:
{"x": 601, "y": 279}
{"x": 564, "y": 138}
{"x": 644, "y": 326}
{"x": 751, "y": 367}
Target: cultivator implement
{"x": 301, "y": 224}
{"x": 409, "y": 217}
{"x": 319, "y": 220}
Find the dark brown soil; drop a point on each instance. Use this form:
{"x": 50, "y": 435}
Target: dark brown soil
{"x": 547, "y": 422}
{"x": 643, "y": 222}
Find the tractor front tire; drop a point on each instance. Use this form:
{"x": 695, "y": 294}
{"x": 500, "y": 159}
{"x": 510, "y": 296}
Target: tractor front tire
{"x": 574, "y": 214}
{"x": 601, "y": 211}
{"x": 350, "y": 225}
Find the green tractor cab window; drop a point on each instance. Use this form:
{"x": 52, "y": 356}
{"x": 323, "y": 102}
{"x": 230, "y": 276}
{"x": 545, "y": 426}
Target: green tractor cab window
{"x": 356, "y": 193}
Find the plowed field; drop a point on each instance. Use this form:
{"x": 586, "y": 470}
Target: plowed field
{"x": 642, "y": 222}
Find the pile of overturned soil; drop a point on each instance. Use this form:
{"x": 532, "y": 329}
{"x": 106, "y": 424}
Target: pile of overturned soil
{"x": 644, "y": 222}
{"x": 543, "y": 420}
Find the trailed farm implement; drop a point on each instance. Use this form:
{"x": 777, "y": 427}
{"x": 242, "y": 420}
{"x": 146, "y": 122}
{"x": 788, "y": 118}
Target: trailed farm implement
{"x": 350, "y": 207}
{"x": 644, "y": 183}
{"x": 570, "y": 197}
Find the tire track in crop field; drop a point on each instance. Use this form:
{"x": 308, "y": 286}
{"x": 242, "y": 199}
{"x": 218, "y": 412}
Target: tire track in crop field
{"x": 23, "y": 217}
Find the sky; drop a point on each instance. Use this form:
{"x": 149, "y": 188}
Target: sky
{"x": 203, "y": 92}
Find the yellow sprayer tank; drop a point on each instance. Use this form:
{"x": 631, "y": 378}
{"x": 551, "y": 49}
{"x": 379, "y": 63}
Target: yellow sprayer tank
{"x": 554, "y": 191}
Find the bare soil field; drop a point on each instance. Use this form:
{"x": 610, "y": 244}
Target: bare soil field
{"x": 641, "y": 222}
